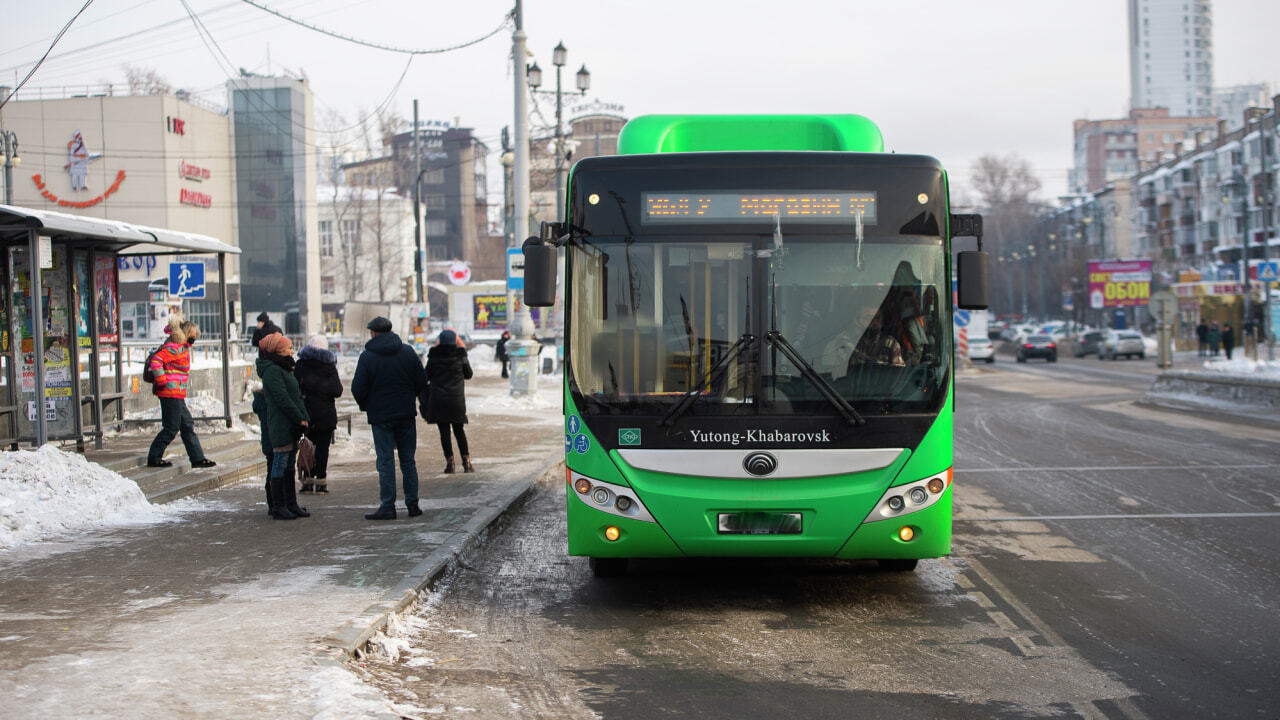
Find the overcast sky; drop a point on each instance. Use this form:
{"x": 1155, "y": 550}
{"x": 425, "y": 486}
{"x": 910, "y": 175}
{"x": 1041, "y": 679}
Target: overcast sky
{"x": 956, "y": 80}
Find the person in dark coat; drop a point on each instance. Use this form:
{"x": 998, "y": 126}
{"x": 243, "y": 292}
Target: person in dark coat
{"x": 1228, "y": 339}
{"x": 500, "y": 352}
{"x": 259, "y": 406}
{"x": 388, "y": 379}
{"x": 1215, "y": 337}
{"x": 1202, "y": 337}
{"x": 447, "y": 371}
{"x": 287, "y": 420}
{"x": 317, "y": 373}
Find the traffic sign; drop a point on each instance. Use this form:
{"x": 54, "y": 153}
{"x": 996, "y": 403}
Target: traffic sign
{"x": 1163, "y": 306}
{"x": 962, "y": 318}
{"x": 186, "y": 280}
{"x": 515, "y": 269}
{"x": 1268, "y": 271}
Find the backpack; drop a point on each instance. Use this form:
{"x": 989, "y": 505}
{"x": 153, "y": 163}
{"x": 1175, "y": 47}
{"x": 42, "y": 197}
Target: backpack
{"x": 147, "y": 375}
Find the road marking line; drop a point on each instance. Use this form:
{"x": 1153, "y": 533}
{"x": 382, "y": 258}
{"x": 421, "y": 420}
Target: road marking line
{"x": 1114, "y": 467}
{"x": 1117, "y": 516}
{"x": 1089, "y": 709}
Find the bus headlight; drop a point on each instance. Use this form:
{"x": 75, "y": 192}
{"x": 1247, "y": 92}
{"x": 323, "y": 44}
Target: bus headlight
{"x": 609, "y": 498}
{"x": 911, "y": 497}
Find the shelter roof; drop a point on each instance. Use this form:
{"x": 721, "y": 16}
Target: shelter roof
{"x": 103, "y": 234}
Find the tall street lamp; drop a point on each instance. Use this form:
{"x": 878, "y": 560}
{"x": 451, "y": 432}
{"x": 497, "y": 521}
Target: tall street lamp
{"x": 559, "y": 58}
{"x": 9, "y": 141}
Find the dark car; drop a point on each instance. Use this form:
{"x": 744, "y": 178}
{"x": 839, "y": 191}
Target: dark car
{"x": 1038, "y": 346}
{"x": 1089, "y": 343}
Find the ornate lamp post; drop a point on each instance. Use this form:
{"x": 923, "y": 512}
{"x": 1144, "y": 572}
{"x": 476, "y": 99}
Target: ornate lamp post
{"x": 559, "y": 58}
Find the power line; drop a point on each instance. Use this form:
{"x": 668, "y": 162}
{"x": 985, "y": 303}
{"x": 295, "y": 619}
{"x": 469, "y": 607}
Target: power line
{"x": 40, "y": 62}
{"x": 506, "y": 22}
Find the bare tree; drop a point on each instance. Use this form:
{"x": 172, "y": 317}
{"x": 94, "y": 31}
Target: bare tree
{"x": 145, "y": 81}
{"x": 1007, "y": 189}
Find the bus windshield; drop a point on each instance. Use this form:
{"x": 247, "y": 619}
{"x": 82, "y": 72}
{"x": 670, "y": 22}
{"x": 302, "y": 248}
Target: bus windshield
{"x": 653, "y": 316}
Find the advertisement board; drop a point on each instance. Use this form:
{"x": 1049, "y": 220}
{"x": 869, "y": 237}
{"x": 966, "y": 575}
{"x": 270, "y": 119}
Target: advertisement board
{"x": 1119, "y": 283}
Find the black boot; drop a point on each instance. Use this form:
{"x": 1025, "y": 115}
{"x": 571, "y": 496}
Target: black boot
{"x": 414, "y": 510}
{"x": 291, "y": 498}
{"x": 382, "y": 513}
{"x": 448, "y": 464}
{"x": 271, "y": 499}
{"x": 281, "y": 508}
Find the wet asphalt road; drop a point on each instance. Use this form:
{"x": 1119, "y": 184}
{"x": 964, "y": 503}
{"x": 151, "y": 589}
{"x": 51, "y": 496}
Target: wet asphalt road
{"x": 1110, "y": 561}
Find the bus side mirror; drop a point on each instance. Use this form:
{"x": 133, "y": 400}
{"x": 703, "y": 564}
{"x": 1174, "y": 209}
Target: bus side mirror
{"x": 539, "y": 273}
{"x": 972, "y": 271}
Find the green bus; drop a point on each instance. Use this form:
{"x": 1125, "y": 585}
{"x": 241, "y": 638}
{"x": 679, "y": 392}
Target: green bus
{"x": 758, "y": 356}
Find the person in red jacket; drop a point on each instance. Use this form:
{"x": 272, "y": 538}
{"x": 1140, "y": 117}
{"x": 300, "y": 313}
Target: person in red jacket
{"x": 170, "y": 366}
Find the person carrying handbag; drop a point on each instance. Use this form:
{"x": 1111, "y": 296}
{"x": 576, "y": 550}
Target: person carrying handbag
{"x": 287, "y": 419}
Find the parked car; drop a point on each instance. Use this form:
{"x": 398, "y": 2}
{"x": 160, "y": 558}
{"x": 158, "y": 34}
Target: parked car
{"x": 1122, "y": 342}
{"x": 1087, "y": 343}
{"x": 1038, "y": 346}
{"x": 981, "y": 348}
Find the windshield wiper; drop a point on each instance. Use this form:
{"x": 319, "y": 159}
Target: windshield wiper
{"x": 686, "y": 402}
{"x": 847, "y": 411}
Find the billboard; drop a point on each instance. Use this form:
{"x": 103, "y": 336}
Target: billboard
{"x": 1119, "y": 283}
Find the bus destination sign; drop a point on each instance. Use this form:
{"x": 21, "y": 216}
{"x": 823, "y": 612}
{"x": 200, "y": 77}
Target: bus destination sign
{"x": 728, "y": 207}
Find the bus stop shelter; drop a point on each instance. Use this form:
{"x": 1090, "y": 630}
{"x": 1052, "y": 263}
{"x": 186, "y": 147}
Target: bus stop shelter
{"x": 61, "y": 275}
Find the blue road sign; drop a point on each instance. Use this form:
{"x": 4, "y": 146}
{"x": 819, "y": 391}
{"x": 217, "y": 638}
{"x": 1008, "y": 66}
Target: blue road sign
{"x": 186, "y": 280}
{"x": 1268, "y": 271}
{"x": 962, "y": 318}
{"x": 515, "y": 269}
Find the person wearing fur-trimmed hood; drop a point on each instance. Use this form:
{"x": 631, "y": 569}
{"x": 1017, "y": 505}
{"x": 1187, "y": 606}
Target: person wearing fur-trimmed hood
{"x": 446, "y": 406}
{"x": 317, "y": 374}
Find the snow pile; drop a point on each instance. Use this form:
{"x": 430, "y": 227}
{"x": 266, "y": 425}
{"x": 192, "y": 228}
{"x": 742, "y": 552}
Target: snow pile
{"x": 1244, "y": 367}
{"x": 337, "y": 694}
{"x": 48, "y": 492}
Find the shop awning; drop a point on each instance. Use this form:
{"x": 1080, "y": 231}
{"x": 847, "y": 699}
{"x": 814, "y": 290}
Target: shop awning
{"x": 121, "y": 237}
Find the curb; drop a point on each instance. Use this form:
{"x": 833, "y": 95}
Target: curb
{"x": 349, "y": 641}
{"x": 1212, "y": 412}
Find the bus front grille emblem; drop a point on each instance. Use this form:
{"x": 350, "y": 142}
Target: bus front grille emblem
{"x": 760, "y": 463}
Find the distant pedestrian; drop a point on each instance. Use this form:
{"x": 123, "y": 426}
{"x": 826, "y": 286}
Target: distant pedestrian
{"x": 265, "y": 328}
{"x": 171, "y": 367}
{"x": 1202, "y": 337}
{"x": 1228, "y": 339}
{"x": 1215, "y": 337}
{"x": 500, "y": 352}
{"x": 387, "y": 383}
{"x": 287, "y": 420}
{"x": 317, "y": 373}
{"x": 446, "y": 407}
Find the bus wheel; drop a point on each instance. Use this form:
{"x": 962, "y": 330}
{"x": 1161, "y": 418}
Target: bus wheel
{"x": 608, "y": 567}
{"x": 897, "y": 564}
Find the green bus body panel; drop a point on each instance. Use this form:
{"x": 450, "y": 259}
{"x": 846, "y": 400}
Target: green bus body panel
{"x": 710, "y": 133}
{"x": 685, "y": 507}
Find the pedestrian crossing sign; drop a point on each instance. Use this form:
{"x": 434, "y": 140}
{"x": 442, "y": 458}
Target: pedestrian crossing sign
{"x": 1268, "y": 271}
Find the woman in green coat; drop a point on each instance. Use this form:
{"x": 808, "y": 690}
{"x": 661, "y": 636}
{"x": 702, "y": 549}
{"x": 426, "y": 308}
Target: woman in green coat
{"x": 286, "y": 418}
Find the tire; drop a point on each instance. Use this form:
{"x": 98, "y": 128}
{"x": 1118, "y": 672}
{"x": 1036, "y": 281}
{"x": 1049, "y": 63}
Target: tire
{"x": 608, "y": 567}
{"x": 1053, "y": 358}
{"x": 1142, "y": 356}
{"x": 897, "y": 564}
{"x": 991, "y": 360}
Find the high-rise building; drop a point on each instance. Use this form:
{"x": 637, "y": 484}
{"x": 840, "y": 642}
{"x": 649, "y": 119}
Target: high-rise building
{"x": 1171, "y": 56}
{"x": 1110, "y": 150}
{"x": 272, "y": 121}
{"x": 1229, "y": 103}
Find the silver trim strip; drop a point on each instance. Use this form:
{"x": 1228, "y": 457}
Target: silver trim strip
{"x": 791, "y": 463}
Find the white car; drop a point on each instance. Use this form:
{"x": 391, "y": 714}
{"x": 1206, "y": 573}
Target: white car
{"x": 1121, "y": 342}
{"x": 981, "y": 348}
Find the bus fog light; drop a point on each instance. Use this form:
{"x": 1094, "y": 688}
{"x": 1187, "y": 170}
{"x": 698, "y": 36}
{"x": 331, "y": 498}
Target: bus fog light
{"x": 582, "y": 485}
{"x": 895, "y": 503}
{"x": 623, "y": 503}
{"x": 919, "y": 496}
{"x": 906, "y": 533}
{"x": 612, "y": 533}
{"x": 936, "y": 485}
{"x": 600, "y": 495}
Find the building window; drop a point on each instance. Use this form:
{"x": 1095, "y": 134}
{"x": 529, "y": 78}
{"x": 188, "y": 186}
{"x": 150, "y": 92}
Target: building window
{"x": 433, "y": 202}
{"x": 433, "y": 177}
{"x": 435, "y": 227}
{"x": 436, "y": 252}
{"x": 205, "y": 313}
{"x": 326, "y": 238}
{"x": 327, "y": 285}
{"x": 350, "y": 234}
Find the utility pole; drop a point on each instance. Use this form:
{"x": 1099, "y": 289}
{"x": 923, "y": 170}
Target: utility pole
{"x": 522, "y": 348}
{"x": 418, "y": 260}
{"x": 1268, "y": 193}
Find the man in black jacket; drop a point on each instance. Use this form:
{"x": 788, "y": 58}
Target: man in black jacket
{"x": 386, "y": 386}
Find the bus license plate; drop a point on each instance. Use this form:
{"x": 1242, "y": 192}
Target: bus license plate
{"x": 758, "y": 523}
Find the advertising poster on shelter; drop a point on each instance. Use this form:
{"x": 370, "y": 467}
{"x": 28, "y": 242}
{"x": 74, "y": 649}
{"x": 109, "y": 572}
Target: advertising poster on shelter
{"x": 108, "y": 303}
{"x": 1119, "y": 283}
{"x": 490, "y": 311}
